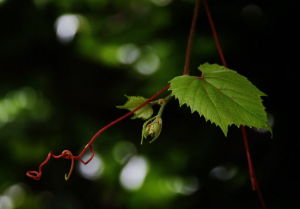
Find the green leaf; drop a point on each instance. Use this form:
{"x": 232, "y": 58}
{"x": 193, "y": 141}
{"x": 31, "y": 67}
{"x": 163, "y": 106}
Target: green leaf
{"x": 222, "y": 96}
{"x": 135, "y": 101}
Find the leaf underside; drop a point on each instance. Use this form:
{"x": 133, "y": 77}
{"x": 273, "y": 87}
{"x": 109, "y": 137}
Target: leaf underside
{"x": 222, "y": 96}
{"x": 135, "y": 101}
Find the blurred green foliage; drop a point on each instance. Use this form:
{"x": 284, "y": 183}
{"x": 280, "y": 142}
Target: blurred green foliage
{"x": 65, "y": 65}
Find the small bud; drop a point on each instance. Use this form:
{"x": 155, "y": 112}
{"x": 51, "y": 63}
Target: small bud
{"x": 152, "y": 128}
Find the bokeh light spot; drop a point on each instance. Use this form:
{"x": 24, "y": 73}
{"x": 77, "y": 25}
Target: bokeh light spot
{"x": 16, "y": 193}
{"x": 133, "y": 174}
{"x": 66, "y": 27}
{"x": 123, "y": 151}
{"x": 128, "y": 53}
{"x": 20, "y": 103}
{"x": 223, "y": 173}
{"x": 6, "y": 202}
{"x": 93, "y": 169}
{"x": 183, "y": 186}
{"x": 148, "y": 64}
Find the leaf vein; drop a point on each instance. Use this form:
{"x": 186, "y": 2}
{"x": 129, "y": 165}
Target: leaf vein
{"x": 208, "y": 96}
{"x": 246, "y": 110}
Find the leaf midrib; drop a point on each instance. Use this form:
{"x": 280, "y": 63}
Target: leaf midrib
{"x": 246, "y": 110}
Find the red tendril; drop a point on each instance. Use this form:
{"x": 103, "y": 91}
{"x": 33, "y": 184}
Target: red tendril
{"x": 67, "y": 154}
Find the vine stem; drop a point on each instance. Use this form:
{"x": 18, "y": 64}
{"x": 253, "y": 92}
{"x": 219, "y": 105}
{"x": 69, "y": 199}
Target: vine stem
{"x": 122, "y": 118}
{"x": 66, "y": 154}
{"x": 253, "y": 179}
{"x": 214, "y": 33}
{"x": 186, "y": 69}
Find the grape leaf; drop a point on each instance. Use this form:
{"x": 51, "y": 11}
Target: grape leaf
{"x": 133, "y": 102}
{"x": 222, "y": 96}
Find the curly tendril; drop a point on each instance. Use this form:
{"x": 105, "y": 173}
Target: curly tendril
{"x": 67, "y": 154}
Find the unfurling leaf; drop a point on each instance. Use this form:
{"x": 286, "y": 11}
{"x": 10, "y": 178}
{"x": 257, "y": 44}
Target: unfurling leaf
{"x": 222, "y": 96}
{"x": 133, "y": 102}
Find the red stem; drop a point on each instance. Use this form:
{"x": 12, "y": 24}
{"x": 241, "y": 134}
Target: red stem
{"x": 253, "y": 179}
{"x": 122, "y": 118}
{"x": 66, "y": 154}
{"x": 214, "y": 32}
{"x": 186, "y": 69}
{"x": 249, "y": 159}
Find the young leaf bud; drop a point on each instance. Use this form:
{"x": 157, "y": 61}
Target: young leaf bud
{"x": 152, "y": 128}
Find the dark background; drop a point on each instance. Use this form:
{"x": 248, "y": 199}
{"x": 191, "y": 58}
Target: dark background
{"x": 56, "y": 93}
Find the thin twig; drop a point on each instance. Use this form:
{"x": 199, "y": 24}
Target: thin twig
{"x": 186, "y": 69}
{"x": 122, "y": 118}
{"x": 214, "y": 32}
{"x": 66, "y": 154}
{"x": 253, "y": 178}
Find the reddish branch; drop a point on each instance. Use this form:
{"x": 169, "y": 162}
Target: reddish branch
{"x": 253, "y": 179}
{"x": 66, "y": 154}
{"x": 186, "y": 69}
{"x": 214, "y": 32}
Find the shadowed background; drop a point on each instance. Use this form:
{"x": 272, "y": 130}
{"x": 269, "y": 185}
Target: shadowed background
{"x": 65, "y": 65}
